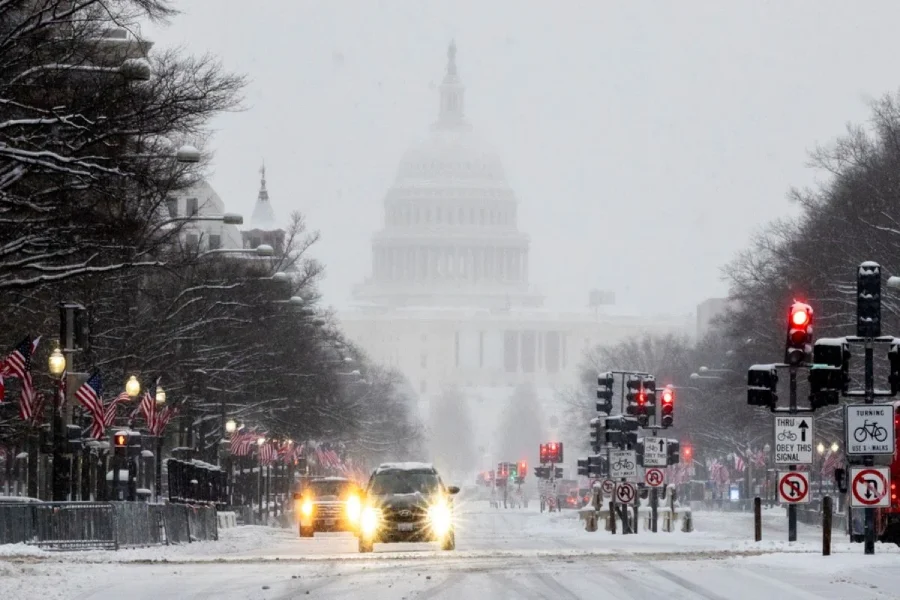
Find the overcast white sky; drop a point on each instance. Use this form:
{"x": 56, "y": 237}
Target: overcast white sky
{"x": 645, "y": 140}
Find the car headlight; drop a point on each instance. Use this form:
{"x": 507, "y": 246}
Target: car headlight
{"x": 369, "y": 521}
{"x": 354, "y": 509}
{"x": 306, "y": 509}
{"x": 440, "y": 517}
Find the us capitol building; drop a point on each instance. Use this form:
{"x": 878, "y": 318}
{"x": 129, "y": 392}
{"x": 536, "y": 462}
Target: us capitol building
{"x": 449, "y": 300}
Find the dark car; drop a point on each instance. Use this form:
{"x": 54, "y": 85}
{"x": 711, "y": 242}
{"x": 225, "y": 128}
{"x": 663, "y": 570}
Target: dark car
{"x": 328, "y": 504}
{"x": 407, "y": 502}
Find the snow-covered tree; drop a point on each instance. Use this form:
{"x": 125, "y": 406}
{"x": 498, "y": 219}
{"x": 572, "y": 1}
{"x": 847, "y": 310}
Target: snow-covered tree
{"x": 522, "y": 426}
{"x": 451, "y": 433}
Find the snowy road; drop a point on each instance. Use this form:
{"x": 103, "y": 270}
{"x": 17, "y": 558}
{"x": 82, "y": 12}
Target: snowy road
{"x": 501, "y": 554}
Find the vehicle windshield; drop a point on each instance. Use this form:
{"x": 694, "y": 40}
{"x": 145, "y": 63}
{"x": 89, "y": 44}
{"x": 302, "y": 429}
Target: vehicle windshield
{"x": 329, "y": 488}
{"x": 404, "y": 482}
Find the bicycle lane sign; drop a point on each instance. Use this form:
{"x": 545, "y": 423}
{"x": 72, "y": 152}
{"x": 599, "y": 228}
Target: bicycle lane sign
{"x": 794, "y": 437}
{"x": 623, "y": 464}
{"x": 869, "y": 428}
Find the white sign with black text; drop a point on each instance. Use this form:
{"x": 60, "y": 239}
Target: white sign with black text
{"x": 655, "y": 452}
{"x": 793, "y": 440}
{"x": 870, "y": 428}
{"x": 623, "y": 464}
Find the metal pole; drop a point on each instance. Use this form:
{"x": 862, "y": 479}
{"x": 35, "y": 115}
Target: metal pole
{"x": 654, "y": 501}
{"x": 159, "y": 447}
{"x": 869, "y": 459}
{"x": 757, "y": 519}
{"x": 792, "y": 508}
{"x": 826, "y": 526}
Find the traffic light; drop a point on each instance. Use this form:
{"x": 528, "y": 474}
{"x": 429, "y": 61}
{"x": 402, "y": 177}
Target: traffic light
{"x": 513, "y": 471}
{"x": 597, "y": 465}
{"x": 829, "y": 375}
{"x": 674, "y": 450}
{"x": 668, "y": 406}
{"x": 868, "y": 300}
{"x": 544, "y": 456}
{"x": 554, "y": 452}
{"x": 762, "y": 381}
{"x": 688, "y": 453}
{"x": 639, "y": 452}
{"x": 120, "y": 443}
{"x": 648, "y": 384}
{"x": 635, "y": 395}
{"x": 597, "y": 430}
{"x": 796, "y": 348}
{"x": 894, "y": 377}
{"x": 604, "y": 392}
{"x": 583, "y": 466}
{"x": 557, "y": 472}
{"x": 523, "y": 469}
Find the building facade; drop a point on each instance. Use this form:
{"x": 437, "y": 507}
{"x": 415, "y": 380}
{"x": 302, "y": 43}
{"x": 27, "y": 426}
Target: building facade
{"x": 450, "y": 301}
{"x": 707, "y": 312}
{"x": 202, "y": 200}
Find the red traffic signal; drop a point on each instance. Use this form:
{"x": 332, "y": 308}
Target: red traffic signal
{"x": 687, "y": 451}
{"x": 799, "y": 332}
{"x": 668, "y": 395}
{"x": 523, "y": 468}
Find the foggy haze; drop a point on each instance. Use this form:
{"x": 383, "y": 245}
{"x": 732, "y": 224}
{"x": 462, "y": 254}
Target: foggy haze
{"x": 693, "y": 117}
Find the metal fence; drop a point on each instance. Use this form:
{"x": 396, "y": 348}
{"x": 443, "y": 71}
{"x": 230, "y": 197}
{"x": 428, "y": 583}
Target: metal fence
{"x": 105, "y": 525}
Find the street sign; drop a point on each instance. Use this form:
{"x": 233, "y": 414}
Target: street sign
{"x": 623, "y": 464}
{"x": 608, "y": 486}
{"x": 654, "y": 477}
{"x": 793, "y": 488}
{"x": 869, "y": 428}
{"x": 869, "y": 487}
{"x": 793, "y": 440}
{"x": 655, "y": 452}
{"x": 625, "y": 493}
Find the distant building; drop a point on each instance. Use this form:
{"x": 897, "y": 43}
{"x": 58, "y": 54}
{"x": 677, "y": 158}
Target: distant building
{"x": 707, "y": 312}
{"x": 263, "y": 227}
{"x": 202, "y": 200}
{"x": 450, "y": 301}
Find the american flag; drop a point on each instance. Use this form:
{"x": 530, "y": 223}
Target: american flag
{"x": 267, "y": 453}
{"x": 18, "y": 364}
{"x": 147, "y": 407}
{"x": 241, "y": 443}
{"x": 162, "y": 419}
{"x": 88, "y": 395}
{"x": 738, "y": 463}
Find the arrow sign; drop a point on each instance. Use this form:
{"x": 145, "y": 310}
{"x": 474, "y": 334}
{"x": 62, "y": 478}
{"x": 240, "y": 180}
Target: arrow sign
{"x": 662, "y": 446}
{"x": 803, "y": 427}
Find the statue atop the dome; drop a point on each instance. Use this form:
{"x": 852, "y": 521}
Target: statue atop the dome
{"x": 451, "y": 58}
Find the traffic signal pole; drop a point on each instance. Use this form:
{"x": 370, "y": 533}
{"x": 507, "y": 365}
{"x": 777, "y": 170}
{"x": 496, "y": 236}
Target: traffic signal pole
{"x": 869, "y": 459}
{"x": 792, "y": 409}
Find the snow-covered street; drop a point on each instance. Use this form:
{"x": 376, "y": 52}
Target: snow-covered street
{"x": 501, "y": 554}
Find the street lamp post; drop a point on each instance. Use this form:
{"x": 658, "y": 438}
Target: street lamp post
{"x": 60, "y": 483}
{"x": 160, "y": 398}
{"x": 820, "y": 450}
{"x": 259, "y": 482}
{"x": 133, "y": 389}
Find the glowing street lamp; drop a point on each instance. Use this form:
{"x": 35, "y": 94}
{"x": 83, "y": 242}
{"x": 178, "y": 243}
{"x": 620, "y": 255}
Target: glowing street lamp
{"x": 57, "y": 363}
{"x": 133, "y": 387}
{"x": 160, "y": 395}
{"x": 230, "y": 426}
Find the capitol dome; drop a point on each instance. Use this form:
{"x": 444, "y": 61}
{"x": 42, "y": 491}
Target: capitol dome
{"x": 452, "y": 154}
{"x": 450, "y": 234}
